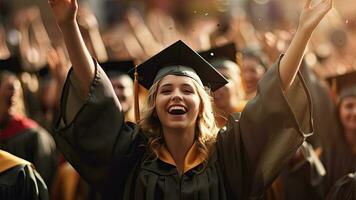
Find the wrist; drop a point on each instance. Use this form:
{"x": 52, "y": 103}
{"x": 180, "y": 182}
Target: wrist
{"x": 305, "y": 31}
{"x": 67, "y": 24}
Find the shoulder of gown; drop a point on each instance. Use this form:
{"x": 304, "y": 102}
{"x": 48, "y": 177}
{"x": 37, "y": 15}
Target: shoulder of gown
{"x": 254, "y": 147}
{"x": 19, "y": 180}
{"x": 92, "y": 134}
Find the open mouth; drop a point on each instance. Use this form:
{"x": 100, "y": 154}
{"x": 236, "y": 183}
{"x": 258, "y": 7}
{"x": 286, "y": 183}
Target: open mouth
{"x": 177, "y": 110}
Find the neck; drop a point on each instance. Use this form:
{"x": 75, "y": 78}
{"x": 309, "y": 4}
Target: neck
{"x": 178, "y": 142}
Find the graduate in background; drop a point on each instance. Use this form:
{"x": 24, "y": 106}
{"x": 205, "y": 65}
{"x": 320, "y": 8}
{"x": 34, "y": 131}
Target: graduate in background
{"x": 340, "y": 158}
{"x": 19, "y": 179}
{"x": 228, "y": 99}
{"x": 20, "y": 135}
{"x": 252, "y": 69}
{"x": 176, "y": 152}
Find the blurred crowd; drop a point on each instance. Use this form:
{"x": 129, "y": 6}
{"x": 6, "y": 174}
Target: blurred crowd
{"x": 34, "y": 65}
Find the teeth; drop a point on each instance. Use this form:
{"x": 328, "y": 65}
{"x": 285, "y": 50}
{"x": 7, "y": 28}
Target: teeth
{"x": 176, "y": 108}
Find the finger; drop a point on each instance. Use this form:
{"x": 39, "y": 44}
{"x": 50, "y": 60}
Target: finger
{"x": 307, "y": 3}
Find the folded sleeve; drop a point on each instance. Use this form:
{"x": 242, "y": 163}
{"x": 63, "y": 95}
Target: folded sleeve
{"x": 92, "y": 134}
{"x": 254, "y": 147}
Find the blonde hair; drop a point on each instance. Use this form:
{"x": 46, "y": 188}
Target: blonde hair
{"x": 206, "y": 129}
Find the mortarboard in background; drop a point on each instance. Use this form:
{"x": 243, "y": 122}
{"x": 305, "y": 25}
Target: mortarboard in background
{"x": 224, "y": 52}
{"x": 223, "y": 57}
{"x": 117, "y": 67}
{"x": 12, "y": 64}
{"x": 343, "y": 85}
{"x": 179, "y": 59}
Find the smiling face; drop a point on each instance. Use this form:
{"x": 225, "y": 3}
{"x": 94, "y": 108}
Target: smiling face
{"x": 123, "y": 87}
{"x": 251, "y": 73}
{"x": 177, "y": 102}
{"x": 347, "y": 113}
{"x": 226, "y": 96}
{"x": 9, "y": 91}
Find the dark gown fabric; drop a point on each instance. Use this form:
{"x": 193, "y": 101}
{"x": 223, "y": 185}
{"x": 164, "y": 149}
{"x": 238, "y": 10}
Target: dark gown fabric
{"x": 22, "y": 182}
{"x": 304, "y": 182}
{"x": 301, "y": 178}
{"x": 26, "y": 139}
{"x": 339, "y": 161}
{"x": 249, "y": 152}
{"x": 344, "y": 188}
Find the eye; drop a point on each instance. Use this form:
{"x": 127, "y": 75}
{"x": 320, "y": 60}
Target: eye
{"x": 188, "y": 91}
{"x": 165, "y": 91}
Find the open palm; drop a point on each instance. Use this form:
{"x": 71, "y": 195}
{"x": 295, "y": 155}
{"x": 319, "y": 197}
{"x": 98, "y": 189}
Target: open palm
{"x": 312, "y": 15}
{"x": 64, "y": 10}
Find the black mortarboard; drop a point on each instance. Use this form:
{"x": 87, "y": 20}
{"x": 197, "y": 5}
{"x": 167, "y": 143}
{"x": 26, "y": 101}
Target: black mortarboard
{"x": 179, "y": 59}
{"x": 12, "y": 64}
{"x": 117, "y": 67}
{"x": 343, "y": 85}
{"x": 225, "y": 52}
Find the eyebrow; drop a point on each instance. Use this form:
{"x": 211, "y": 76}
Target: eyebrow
{"x": 170, "y": 85}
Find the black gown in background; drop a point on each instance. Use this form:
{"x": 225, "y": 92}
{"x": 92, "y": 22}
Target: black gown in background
{"x": 32, "y": 143}
{"x": 249, "y": 153}
{"x": 19, "y": 180}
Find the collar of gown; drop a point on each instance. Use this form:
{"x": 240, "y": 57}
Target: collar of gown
{"x": 193, "y": 158}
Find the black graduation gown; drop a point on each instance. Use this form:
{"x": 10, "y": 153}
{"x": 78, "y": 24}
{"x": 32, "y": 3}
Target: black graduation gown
{"x": 22, "y": 182}
{"x": 248, "y": 154}
{"x": 37, "y": 146}
{"x": 339, "y": 161}
{"x": 344, "y": 188}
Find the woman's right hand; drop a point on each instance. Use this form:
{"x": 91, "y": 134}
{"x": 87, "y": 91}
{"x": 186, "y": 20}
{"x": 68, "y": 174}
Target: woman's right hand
{"x": 64, "y": 10}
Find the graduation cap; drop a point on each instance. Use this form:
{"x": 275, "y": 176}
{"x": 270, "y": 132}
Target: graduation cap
{"x": 11, "y": 64}
{"x": 343, "y": 85}
{"x": 225, "y": 52}
{"x": 117, "y": 67}
{"x": 179, "y": 59}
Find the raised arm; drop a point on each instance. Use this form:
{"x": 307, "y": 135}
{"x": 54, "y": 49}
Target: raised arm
{"x": 308, "y": 21}
{"x": 65, "y": 13}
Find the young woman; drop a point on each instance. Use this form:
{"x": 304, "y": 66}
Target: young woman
{"x": 176, "y": 152}
{"x": 340, "y": 157}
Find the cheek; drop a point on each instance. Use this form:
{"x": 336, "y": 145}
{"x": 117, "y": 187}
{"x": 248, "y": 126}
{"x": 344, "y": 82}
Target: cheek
{"x": 344, "y": 115}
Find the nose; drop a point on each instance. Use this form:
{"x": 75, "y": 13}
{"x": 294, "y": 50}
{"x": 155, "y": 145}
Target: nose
{"x": 176, "y": 95}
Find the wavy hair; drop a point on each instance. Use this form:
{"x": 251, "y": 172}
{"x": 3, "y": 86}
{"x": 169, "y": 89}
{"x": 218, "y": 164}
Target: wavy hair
{"x": 206, "y": 129}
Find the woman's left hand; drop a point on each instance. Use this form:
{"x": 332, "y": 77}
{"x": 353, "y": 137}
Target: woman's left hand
{"x": 312, "y": 15}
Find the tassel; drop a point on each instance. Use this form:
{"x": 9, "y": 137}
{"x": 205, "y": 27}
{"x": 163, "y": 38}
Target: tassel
{"x": 334, "y": 89}
{"x": 239, "y": 58}
{"x": 136, "y": 96}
